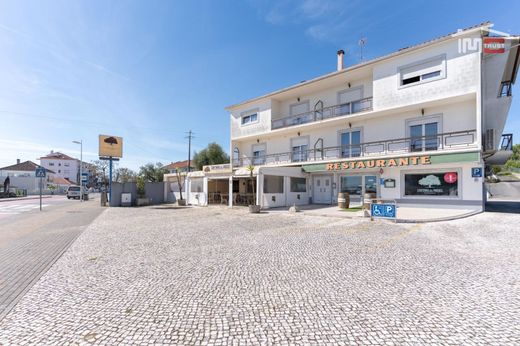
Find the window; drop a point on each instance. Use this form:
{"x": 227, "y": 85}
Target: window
{"x": 59, "y": 164}
{"x": 350, "y": 144}
{"x": 431, "y": 184}
{"x": 425, "y": 71}
{"x": 299, "y": 149}
{"x": 258, "y": 154}
{"x": 298, "y": 185}
{"x": 346, "y": 99}
{"x": 197, "y": 185}
{"x": 66, "y": 164}
{"x": 505, "y": 89}
{"x": 424, "y": 137}
{"x": 248, "y": 119}
{"x": 273, "y": 184}
{"x": 51, "y": 163}
{"x": 351, "y": 184}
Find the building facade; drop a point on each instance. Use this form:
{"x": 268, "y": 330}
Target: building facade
{"x": 415, "y": 126}
{"x": 63, "y": 165}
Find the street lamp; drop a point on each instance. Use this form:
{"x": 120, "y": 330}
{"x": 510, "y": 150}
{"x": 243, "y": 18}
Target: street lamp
{"x": 80, "y": 142}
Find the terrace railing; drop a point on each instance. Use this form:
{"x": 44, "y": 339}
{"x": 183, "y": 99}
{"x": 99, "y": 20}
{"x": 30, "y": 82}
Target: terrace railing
{"x": 323, "y": 113}
{"x": 439, "y": 142}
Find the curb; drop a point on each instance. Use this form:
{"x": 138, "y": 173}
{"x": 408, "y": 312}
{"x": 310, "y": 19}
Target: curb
{"x": 440, "y": 219}
{"x": 22, "y": 198}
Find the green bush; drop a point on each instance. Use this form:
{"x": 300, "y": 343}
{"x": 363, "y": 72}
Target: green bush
{"x": 496, "y": 169}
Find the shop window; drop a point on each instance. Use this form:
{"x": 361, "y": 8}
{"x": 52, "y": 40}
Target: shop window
{"x": 351, "y": 184}
{"x": 273, "y": 184}
{"x": 431, "y": 184}
{"x": 197, "y": 185}
{"x": 298, "y": 185}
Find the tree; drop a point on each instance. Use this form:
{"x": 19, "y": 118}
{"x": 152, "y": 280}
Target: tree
{"x": 514, "y": 160}
{"x": 152, "y": 173}
{"x": 180, "y": 181}
{"x": 213, "y": 154}
{"x": 124, "y": 175}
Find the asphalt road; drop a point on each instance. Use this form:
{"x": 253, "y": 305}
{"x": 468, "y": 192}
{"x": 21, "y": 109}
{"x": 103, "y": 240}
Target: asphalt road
{"x": 32, "y": 240}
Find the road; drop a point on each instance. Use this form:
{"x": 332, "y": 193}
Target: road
{"x": 32, "y": 240}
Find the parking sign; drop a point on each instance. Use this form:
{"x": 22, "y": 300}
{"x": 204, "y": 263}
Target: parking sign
{"x": 383, "y": 210}
{"x": 476, "y": 172}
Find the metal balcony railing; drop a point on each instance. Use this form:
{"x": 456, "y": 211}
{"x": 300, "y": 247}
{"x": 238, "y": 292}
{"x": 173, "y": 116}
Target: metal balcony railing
{"x": 323, "y": 113}
{"x": 439, "y": 142}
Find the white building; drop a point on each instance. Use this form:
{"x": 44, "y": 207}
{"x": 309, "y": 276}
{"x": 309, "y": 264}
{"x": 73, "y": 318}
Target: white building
{"x": 409, "y": 126}
{"x": 22, "y": 176}
{"x": 63, "y": 165}
{"x": 415, "y": 126}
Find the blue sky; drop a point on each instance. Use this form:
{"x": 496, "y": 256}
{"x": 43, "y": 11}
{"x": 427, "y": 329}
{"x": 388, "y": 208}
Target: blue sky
{"x": 151, "y": 70}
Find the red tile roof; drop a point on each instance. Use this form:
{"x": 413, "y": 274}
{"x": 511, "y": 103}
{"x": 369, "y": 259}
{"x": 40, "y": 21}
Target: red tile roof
{"x": 57, "y": 155}
{"x": 179, "y": 164}
{"x": 61, "y": 181}
{"x": 27, "y": 166}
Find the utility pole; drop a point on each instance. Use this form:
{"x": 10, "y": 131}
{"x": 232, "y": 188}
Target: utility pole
{"x": 189, "y": 136}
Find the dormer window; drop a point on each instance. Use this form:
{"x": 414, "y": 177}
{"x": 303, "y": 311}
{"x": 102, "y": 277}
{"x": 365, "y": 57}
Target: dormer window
{"x": 423, "y": 71}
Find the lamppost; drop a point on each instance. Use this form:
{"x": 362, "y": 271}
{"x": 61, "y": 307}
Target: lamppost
{"x": 80, "y": 142}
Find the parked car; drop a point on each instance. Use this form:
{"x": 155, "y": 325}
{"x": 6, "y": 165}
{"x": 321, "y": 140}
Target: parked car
{"x": 74, "y": 192}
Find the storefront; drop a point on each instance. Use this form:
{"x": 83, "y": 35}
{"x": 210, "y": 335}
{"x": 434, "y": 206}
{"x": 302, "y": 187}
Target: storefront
{"x": 441, "y": 179}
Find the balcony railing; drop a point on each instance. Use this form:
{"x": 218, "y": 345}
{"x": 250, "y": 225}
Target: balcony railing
{"x": 324, "y": 113}
{"x": 443, "y": 141}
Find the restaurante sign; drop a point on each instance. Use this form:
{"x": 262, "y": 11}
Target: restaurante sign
{"x": 401, "y": 161}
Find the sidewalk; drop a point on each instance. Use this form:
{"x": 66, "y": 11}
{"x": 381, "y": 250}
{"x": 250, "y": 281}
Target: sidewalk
{"x": 25, "y": 198}
{"x": 404, "y": 214}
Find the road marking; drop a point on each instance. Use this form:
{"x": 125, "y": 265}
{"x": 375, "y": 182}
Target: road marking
{"x": 19, "y": 208}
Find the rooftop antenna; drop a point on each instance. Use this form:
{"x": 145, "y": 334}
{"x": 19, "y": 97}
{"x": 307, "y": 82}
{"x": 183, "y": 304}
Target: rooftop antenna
{"x": 362, "y": 42}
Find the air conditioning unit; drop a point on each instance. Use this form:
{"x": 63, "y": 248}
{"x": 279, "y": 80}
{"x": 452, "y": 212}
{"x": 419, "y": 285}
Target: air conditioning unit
{"x": 489, "y": 139}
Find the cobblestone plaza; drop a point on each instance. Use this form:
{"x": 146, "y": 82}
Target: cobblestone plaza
{"x": 222, "y": 276}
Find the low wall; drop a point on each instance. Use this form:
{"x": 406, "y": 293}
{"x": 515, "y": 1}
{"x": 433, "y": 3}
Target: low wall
{"x": 153, "y": 191}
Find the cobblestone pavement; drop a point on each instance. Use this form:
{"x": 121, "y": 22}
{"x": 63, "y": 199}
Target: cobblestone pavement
{"x": 31, "y": 243}
{"x": 218, "y": 276}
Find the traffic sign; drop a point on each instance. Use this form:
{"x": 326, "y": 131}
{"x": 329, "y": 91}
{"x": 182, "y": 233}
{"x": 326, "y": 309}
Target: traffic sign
{"x": 40, "y": 172}
{"x": 383, "y": 210}
{"x": 476, "y": 172}
{"x": 84, "y": 177}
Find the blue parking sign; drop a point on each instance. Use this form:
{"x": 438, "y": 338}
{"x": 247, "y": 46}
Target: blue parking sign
{"x": 386, "y": 211}
{"x": 476, "y": 172}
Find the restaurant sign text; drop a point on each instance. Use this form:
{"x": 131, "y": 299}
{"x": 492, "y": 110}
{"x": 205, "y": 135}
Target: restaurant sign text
{"x": 360, "y": 164}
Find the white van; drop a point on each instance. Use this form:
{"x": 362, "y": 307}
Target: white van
{"x": 74, "y": 192}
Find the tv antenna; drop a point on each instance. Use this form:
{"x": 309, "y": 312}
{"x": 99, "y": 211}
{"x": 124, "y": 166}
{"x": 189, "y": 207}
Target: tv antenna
{"x": 362, "y": 42}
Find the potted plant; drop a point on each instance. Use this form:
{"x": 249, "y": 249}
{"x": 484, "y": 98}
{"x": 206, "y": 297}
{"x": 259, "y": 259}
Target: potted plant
{"x": 141, "y": 196}
{"x": 181, "y": 201}
{"x": 253, "y": 208}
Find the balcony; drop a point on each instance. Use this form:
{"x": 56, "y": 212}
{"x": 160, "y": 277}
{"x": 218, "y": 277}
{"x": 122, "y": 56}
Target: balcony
{"x": 440, "y": 142}
{"x": 323, "y": 113}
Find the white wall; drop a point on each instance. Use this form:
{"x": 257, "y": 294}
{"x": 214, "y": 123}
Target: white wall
{"x": 287, "y": 198}
{"x": 60, "y": 167}
{"x": 462, "y": 77}
{"x": 458, "y": 116}
{"x": 263, "y": 109}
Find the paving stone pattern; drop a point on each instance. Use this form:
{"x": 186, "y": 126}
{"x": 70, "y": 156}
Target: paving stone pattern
{"x": 214, "y": 276}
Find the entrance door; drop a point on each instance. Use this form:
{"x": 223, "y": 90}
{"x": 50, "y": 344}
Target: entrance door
{"x": 322, "y": 189}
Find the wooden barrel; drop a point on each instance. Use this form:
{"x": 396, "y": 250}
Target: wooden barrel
{"x": 343, "y": 200}
{"x": 367, "y": 199}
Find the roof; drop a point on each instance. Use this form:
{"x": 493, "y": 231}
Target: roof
{"x": 57, "y": 155}
{"x": 61, "y": 181}
{"x": 369, "y": 62}
{"x": 27, "y": 166}
{"x": 179, "y": 164}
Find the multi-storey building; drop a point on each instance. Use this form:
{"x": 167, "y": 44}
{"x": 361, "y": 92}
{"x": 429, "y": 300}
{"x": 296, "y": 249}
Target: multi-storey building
{"x": 67, "y": 167}
{"x": 415, "y": 126}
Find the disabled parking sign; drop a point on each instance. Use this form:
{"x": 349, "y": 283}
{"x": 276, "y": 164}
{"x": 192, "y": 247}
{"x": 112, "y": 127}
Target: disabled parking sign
{"x": 383, "y": 211}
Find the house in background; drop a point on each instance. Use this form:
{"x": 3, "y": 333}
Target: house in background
{"x": 181, "y": 166}
{"x": 22, "y": 176}
{"x": 65, "y": 166}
